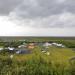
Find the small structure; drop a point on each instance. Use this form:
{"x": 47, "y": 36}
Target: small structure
{"x": 31, "y": 46}
{"x": 23, "y": 51}
{"x": 22, "y": 46}
{"x": 63, "y": 46}
{"x": 58, "y": 45}
{"x": 47, "y": 44}
{"x": 17, "y": 52}
{"x": 1, "y": 48}
{"x": 54, "y": 43}
{"x": 11, "y": 48}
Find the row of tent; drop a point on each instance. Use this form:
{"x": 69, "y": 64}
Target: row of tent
{"x": 53, "y": 44}
{"x": 17, "y": 50}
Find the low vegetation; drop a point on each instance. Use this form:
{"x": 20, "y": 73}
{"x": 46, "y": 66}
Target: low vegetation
{"x": 57, "y": 62}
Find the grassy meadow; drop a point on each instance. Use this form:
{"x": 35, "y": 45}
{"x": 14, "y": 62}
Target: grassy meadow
{"x": 58, "y": 62}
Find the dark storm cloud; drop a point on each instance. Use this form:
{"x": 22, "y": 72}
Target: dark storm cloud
{"x": 36, "y": 8}
{"x": 6, "y": 6}
{"x": 40, "y": 13}
{"x": 44, "y": 8}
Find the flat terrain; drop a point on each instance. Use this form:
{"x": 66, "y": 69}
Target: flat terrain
{"x": 55, "y": 61}
{"x": 57, "y": 55}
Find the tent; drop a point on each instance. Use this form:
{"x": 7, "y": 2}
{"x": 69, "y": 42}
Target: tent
{"x": 23, "y": 51}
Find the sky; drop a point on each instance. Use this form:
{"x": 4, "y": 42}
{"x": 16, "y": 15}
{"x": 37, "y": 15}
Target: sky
{"x": 37, "y": 17}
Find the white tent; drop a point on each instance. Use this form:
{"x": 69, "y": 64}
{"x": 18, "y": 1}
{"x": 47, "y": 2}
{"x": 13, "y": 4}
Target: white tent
{"x": 47, "y": 44}
{"x": 11, "y": 48}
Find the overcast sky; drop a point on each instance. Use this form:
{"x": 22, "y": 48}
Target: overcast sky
{"x": 37, "y": 17}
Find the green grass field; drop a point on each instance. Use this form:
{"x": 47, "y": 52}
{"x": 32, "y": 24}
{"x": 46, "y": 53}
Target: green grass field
{"x": 60, "y": 55}
{"x": 38, "y": 63}
{"x": 57, "y": 55}
{"x": 59, "y": 58}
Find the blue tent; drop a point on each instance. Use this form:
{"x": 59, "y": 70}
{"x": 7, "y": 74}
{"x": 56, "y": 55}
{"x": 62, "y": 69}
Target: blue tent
{"x": 23, "y": 51}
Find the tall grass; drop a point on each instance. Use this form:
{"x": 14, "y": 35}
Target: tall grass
{"x": 34, "y": 67}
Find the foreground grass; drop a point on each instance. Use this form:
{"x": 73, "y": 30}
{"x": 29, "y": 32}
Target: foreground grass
{"x": 38, "y": 63}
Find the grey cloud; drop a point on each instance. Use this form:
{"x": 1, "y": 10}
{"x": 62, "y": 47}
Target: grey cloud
{"x": 54, "y": 21}
{"x": 46, "y": 13}
{"x": 6, "y": 6}
{"x": 69, "y": 6}
{"x": 36, "y": 8}
{"x": 44, "y": 8}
